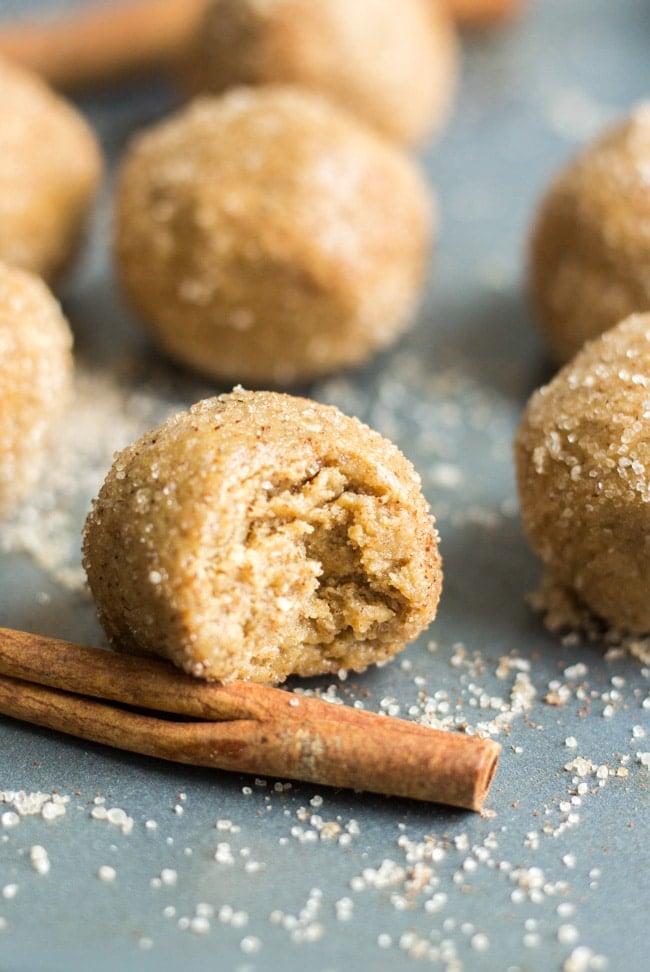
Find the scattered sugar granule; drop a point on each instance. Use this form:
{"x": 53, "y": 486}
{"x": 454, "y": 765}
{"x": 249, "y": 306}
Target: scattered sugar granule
{"x": 106, "y": 873}
{"x": 250, "y": 944}
{"x": 51, "y": 810}
{"x": 115, "y": 816}
{"x": 567, "y": 934}
{"x": 200, "y": 925}
{"x": 344, "y": 909}
{"x": 566, "y": 909}
{"x": 39, "y": 859}
{"x": 583, "y": 959}
{"x": 223, "y": 854}
{"x": 254, "y": 867}
{"x": 577, "y": 671}
{"x": 580, "y": 766}
{"x": 480, "y": 942}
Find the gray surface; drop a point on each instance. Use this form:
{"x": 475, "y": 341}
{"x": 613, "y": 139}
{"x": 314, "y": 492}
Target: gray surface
{"x": 451, "y": 394}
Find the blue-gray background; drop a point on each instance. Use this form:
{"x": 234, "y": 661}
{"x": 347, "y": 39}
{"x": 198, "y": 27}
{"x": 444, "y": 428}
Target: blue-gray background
{"x": 550, "y": 868}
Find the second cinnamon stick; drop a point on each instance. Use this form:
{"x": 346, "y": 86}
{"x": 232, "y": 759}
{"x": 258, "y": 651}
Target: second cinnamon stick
{"x": 103, "y": 43}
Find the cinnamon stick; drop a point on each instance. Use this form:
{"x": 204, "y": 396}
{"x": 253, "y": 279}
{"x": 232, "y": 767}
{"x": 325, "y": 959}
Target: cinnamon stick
{"x": 103, "y": 43}
{"x": 483, "y": 13}
{"x": 260, "y": 730}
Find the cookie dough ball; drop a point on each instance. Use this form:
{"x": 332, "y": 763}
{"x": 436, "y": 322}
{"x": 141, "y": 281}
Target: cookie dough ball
{"x": 49, "y": 169}
{"x": 266, "y": 236}
{"x": 393, "y": 64}
{"x": 583, "y": 464}
{"x": 590, "y": 249}
{"x": 35, "y": 379}
{"x": 261, "y": 535}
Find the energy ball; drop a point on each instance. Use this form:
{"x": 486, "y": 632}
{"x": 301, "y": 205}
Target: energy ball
{"x": 49, "y": 170}
{"x": 583, "y": 467}
{"x": 35, "y": 379}
{"x": 262, "y": 535}
{"x": 392, "y": 64}
{"x": 590, "y": 247}
{"x": 266, "y": 236}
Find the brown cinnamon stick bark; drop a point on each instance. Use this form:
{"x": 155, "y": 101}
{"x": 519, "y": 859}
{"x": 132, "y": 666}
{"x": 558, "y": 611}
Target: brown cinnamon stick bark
{"x": 263, "y": 731}
{"x": 483, "y": 13}
{"x": 103, "y": 43}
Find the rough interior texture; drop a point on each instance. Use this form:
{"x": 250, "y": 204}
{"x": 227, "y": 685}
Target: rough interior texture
{"x": 331, "y": 593}
{"x": 262, "y": 535}
{"x": 583, "y": 465}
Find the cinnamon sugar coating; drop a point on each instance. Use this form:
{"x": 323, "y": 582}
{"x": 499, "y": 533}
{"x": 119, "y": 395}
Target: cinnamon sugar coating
{"x": 261, "y": 535}
{"x": 583, "y": 467}
{"x": 590, "y": 246}
{"x": 392, "y": 64}
{"x": 35, "y": 379}
{"x": 266, "y": 236}
{"x": 50, "y": 166}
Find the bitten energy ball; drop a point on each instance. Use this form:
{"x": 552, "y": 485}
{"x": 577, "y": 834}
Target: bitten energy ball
{"x": 393, "y": 64}
{"x": 583, "y": 465}
{"x": 49, "y": 169}
{"x": 261, "y": 535}
{"x": 35, "y": 379}
{"x": 590, "y": 248}
{"x": 266, "y": 236}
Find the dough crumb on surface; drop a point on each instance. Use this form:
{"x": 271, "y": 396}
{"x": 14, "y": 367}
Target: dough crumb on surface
{"x": 35, "y": 379}
{"x": 261, "y": 535}
{"x": 583, "y": 467}
{"x": 266, "y": 236}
